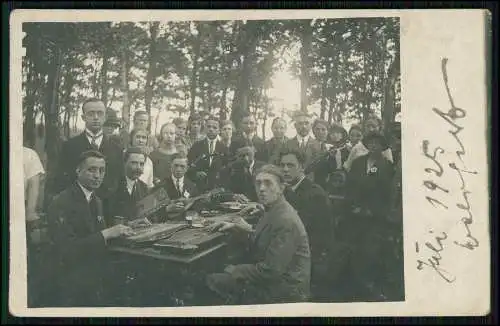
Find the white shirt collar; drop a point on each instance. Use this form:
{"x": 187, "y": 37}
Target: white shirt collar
{"x": 300, "y": 138}
{"x": 86, "y": 192}
{"x": 250, "y": 168}
{"x": 295, "y": 186}
{"x": 98, "y": 137}
{"x": 181, "y": 180}
{"x": 130, "y": 184}
{"x": 249, "y": 136}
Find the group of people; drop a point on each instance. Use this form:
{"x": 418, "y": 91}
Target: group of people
{"x": 323, "y": 189}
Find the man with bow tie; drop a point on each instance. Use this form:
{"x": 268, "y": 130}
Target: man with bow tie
{"x": 131, "y": 189}
{"x": 94, "y": 116}
{"x": 77, "y": 264}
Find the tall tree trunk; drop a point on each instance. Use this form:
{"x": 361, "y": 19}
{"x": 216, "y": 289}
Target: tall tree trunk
{"x": 388, "y": 106}
{"x": 69, "y": 82}
{"x": 151, "y": 74}
{"x": 324, "y": 87}
{"x": 125, "y": 91}
{"x": 194, "y": 73}
{"x": 247, "y": 45}
{"x": 223, "y": 106}
{"x": 29, "y": 122}
{"x": 52, "y": 139}
{"x": 104, "y": 76}
{"x": 305, "y": 50}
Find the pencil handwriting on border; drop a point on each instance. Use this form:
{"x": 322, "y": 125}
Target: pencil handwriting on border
{"x": 432, "y": 255}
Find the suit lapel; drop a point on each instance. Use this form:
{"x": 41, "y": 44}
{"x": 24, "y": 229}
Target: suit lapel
{"x": 82, "y": 205}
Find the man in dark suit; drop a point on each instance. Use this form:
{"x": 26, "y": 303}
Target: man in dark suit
{"x": 313, "y": 206}
{"x": 278, "y": 267}
{"x": 77, "y": 265}
{"x": 94, "y": 116}
{"x": 131, "y": 189}
{"x": 303, "y": 141}
{"x": 206, "y": 157}
{"x": 239, "y": 176}
{"x": 177, "y": 184}
{"x": 276, "y": 144}
{"x": 248, "y": 136}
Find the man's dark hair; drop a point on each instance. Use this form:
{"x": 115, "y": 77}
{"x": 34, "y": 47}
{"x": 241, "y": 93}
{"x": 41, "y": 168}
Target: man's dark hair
{"x": 213, "y": 118}
{"x": 90, "y": 153}
{"x": 298, "y": 154}
{"x": 90, "y": 100}
{"x": 247, "y": 114}
{"x": 133, "y": 150}
{"x": 275, "y": 121}
{"x": 138, "y": 113}
{"x": 178, "y": 155}
{"x": 320, "y": 122}
{"x": 178, "y": 121}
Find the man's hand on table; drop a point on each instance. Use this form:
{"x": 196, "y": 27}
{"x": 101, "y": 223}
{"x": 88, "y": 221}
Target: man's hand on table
{"x": 175, "y": 207}
{"x": 236, "y": 225}
{"x": 116, "y": 232}
{"x": 252, "y": 209}
{"x": 241, "y": 198}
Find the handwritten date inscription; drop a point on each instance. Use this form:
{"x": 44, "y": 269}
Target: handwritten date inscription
{"x": 431, "y": 254}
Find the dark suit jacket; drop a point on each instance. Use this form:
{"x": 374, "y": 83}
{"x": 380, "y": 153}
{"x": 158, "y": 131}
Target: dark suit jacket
{"x": 173, "y": 193}
{"x": 78, "y": 255}
{"x": 199, "y": 161}
{"x": 280, "y": 264}
{"x": 370, "y": 191}
{"x": 260, "y": 146}
{"x": 327, "y": 166}
{"x": 313, "y": 206}
{"x": 122, "y": 203}
{"x": 68, "y": 160}
{"x": 313, "y": 148}
{"x": 238, "y": 181}
{"x": 273, "y": 148}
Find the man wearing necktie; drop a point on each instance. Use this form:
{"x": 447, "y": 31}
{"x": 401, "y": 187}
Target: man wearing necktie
{"x": 206, "y": 157}
{"x": 177, "y": 184}
{"x": 313, "y": 206}
{"x": 63, "y": 175}
{"x": 303, "y": 140}
{"x": 76, "y": 266}
{"x": 276, "y": 144}
{"x": 123, "y": 202}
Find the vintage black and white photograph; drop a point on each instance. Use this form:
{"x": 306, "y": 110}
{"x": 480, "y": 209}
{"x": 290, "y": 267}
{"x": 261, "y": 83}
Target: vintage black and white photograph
{"x": 204, "y": 163}
{"x": 188, "y": 163}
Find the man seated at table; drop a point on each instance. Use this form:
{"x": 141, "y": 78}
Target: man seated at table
{"x": 77, "y": 263}
{"x": 279, "y": 266}
{"x": 131, "y": 189}
{"x": 177, "y": 184}
{"x": 238, "y": 176}
{"x": 314, "y": 208}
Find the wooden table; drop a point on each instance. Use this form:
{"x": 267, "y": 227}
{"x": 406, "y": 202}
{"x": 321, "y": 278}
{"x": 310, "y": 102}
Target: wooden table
{"x": 158, "y": 254}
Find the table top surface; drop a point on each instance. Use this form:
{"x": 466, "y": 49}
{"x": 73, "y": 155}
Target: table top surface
{"x": 152, "y": 252}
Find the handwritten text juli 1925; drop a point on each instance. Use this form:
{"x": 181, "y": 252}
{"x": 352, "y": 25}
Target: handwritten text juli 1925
{"x": 431, "y": 254}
